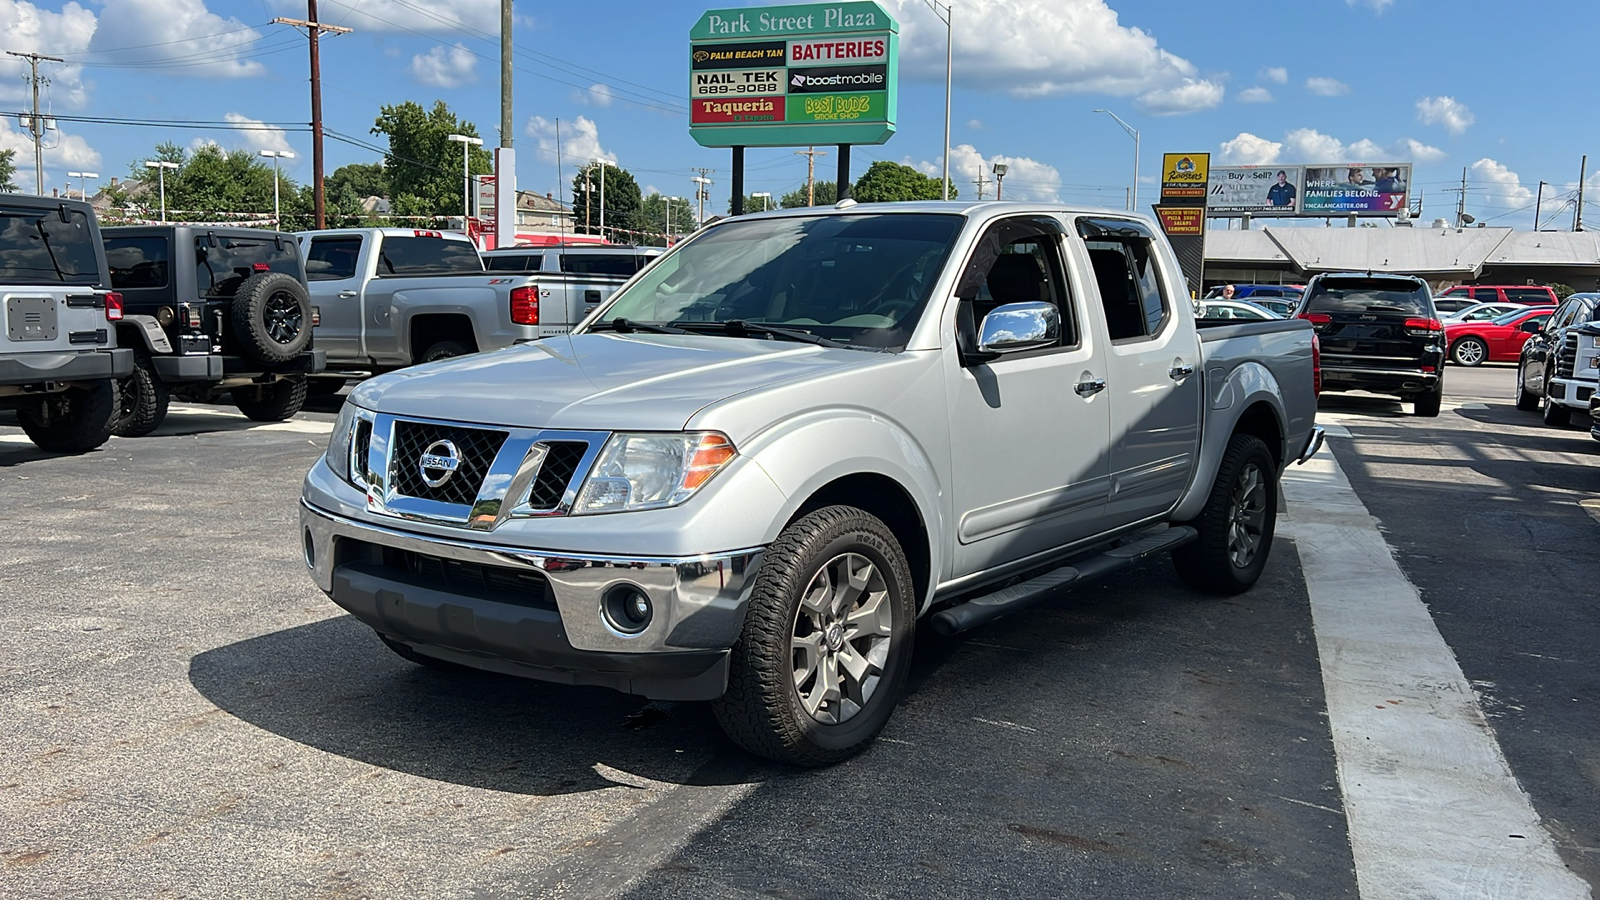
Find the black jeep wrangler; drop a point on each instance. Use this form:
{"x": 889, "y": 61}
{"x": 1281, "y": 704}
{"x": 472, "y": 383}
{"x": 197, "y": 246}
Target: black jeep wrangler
{"x": 211, "y": 309}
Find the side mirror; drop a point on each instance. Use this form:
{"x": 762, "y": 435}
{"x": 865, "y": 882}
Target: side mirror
{"x": 1015, "y": 327}
{"x": 1531, "y": 326}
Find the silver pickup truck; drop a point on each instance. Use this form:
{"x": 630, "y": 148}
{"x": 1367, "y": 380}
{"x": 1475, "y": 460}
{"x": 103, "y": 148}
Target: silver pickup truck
{"x": 785, "y": 445}
{"x": 390, "y": 297}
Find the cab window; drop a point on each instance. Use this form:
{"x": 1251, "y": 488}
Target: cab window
{"x": 1123, "y": 256}
{"x": 1016, "y": 261}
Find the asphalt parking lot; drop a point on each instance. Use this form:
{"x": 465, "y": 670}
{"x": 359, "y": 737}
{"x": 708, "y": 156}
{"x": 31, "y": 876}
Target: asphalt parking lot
{"x": 188, "y": 716}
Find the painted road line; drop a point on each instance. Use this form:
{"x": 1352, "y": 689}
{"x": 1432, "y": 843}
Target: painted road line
{"x": 1432, "y": 806}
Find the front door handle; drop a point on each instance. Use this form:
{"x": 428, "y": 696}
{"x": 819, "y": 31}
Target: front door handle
{"x": 1090, "y": 387}
{"x": 1179, "y": 371}
{"x": 346, "y": 295}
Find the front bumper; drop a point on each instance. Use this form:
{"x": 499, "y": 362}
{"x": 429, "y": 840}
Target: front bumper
{"x": 60, "y": 367}
{"x": 536, "y": 614}
{"x": 1573, "y": 393}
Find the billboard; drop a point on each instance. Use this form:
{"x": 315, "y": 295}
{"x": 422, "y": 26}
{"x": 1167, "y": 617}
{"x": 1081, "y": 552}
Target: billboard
{"x": 1265, "y": 190}
{"x": 782, "y": 76}
{"x": 1184, "y": 174}
{"x": 1316, "y": 189}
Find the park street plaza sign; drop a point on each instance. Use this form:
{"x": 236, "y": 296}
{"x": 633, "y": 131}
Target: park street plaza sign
{"x": 787, "y": 76}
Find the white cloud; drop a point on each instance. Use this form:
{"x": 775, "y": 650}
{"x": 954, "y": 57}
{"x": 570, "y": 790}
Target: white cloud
{"x": 29, "y": 29}
{"x": 258, "y": 135}
{"x": 1193, "y": 95}
{"x": 1309, "y": 144}
{"x": 598, "y": 94}
{"x": 1327, "y": 87}
{"x": 180, "y": 37}
{"x": 445, "y": 67}
{"x": 1026, "y": 179}
{"x": 403, "y": 15}
{"x": 1274, "y": 74}
{"x": 1377, "y": 6}
{"x": 1410, "y": 148}
{"x": 1249, "y": 150}
{"x": 580, "y": 140}
{"x": 1039, "y": 48}
{"x": 1446, "y": 111}
{"x": 975, "y": 124}
{"x": 1255, "y": 95}
{"x": 62, "y": 152}
{"x": 1504, "y": 189}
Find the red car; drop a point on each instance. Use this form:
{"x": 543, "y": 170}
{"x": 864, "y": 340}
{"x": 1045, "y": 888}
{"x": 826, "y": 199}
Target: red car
{"x": 1499, "y": 339}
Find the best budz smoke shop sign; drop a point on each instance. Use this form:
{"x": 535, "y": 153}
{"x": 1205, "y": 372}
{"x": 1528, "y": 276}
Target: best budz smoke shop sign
{"x": 782, "y": 76}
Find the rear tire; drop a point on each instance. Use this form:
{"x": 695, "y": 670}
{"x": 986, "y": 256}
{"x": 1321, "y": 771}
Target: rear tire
{"x": 73, "y": 421}
{"x": 1427, "y": 405}
{"x": 445, "y": 350}
{"x": 1237, "y": 524}
{"x": 272, "y": 317}
{"x": 142, "y": 400}
{"x": 1527, "y": 400}
{"x": 272, "y": 402}
{"x": 1469, "y": 351}
{"x": 826, "y": 644}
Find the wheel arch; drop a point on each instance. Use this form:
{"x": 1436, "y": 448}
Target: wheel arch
{"x": 884, "y": 498}
{"x": 429, "y": 328}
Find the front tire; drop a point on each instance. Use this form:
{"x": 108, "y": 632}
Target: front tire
{"x": 1555, "y": 415}
{"x": 826, "y": 644}
{"x": 76, "y": 420}
{"x": 1237, "y": 524}
{"x": 273, "y": 402}
{"x": 1469, "y": 351}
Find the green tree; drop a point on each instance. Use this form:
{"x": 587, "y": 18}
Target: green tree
{"x": 211, "y": 184}
{"x": 362, "y": 180}
{"x": 888, "y": 182}
{"x": 826, "y": 193}
{"x": 653, "y": 216}
{"x": 623, "y": 202}
{"x": 8, "y": 170}
{"x": 754, "y": 204}
{"x": 423, "y": 166}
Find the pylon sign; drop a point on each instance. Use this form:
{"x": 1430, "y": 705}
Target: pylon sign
{"x": 783, "y": 76}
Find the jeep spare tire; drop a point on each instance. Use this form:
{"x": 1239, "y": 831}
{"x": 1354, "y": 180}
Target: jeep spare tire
{"x": 272, "y": 317}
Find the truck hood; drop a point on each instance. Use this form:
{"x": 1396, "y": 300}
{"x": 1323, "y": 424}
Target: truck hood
{"x": 600, "y": 382}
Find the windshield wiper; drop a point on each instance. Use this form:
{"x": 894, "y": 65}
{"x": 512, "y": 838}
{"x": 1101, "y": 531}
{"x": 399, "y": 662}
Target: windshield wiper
{"x": 627, "y": 326}
{"x": 740, "y": 327}
{"x": 1388, "y": 309}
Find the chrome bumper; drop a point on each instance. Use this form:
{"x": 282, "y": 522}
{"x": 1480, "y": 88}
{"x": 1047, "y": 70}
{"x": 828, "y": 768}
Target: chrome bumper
{"x": 1313, "y": 444}
{"x": 698, "y": 601}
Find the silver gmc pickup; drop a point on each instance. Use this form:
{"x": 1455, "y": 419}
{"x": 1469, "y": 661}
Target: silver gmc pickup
{"x": 756, "y": 471}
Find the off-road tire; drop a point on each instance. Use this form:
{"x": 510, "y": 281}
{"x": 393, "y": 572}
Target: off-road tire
{"x": 1208, "y": 563}
{"x": 273, "y": 402}
{"x": 142, "y": 399}
{"x": 76, "y": 420}
{"x": 421, "y": 659}
{"x": 445, "y": 350}
{"x": 324, "y": 387}
{"x": 762, "y": 709}
{"x": 1469, "y": 351}
{"x": 271, "y": 315}
{"x": 1426, "y": 404}
{"x": 1527, "y": 400}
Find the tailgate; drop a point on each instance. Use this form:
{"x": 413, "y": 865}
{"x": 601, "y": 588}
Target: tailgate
{"x": 1371, "y": 340}
{"x": 54, "y": 319}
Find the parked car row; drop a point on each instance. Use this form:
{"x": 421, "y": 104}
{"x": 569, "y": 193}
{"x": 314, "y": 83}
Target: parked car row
{"x": 1558, "y": 368}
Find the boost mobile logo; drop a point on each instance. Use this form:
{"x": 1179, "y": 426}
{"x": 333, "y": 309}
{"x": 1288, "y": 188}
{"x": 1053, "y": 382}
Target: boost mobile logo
{"x": 797, "y": 80}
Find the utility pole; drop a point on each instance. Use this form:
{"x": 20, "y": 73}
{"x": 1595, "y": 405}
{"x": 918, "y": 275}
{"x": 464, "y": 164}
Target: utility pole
{"x": 315, "y": 29}
{"x": 980, "y": 181}
{"x": 36, "y": 124}
{"x": 811, "y": 154}
{"x": 1538, "y": 202}
{"x": 1583, "y": 172}
{"x": 702, "y": 190}
{"x": 1461, "y": 201}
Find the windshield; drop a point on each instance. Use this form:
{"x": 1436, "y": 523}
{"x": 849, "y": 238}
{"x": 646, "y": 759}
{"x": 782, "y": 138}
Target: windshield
{"x": 1361, "y": 295}
{"x": 857, "y": 279}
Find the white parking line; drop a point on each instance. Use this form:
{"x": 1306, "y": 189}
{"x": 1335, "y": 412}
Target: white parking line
{"x": 1432, "y": 806}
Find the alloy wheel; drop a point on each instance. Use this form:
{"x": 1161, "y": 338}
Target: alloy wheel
{"x": 283, "y": 318}
{"x": 1247, "y": 516}
{"x": 840, "y": 640}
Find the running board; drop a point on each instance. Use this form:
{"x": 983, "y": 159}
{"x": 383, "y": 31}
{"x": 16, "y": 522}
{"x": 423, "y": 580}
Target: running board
{"x": 985, "y": 609}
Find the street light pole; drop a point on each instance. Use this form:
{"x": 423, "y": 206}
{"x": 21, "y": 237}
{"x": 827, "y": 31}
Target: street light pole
{"x": 161, "y": 166}
{"x": 670, "y": 201}
{"x": 275, "y": 155}
{"x": 467, "y": 142}
{"x": 766, "y": 199}
{"x": 999, "y": 179}
{"x": 948, "y": 35}
{"x": 602, "y": 163}
{"x": 1133, "y": 198}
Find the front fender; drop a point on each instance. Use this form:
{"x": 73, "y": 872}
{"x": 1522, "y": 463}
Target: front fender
{"x": 1249, "y": 384}
{"x": 805, "y": 453}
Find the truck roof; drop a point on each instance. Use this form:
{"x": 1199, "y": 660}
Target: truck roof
{"x": 390, "y": 232}
{"x": 985, "y": 208}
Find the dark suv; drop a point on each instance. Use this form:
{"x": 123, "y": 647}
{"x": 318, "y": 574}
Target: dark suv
{"x": 1378, "y": 333}
{"x": 208, "y": 310}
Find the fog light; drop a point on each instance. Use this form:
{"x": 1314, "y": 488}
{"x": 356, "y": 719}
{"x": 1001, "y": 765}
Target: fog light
{"x": 627, "y": 609}
{"x": 311, "y": 551}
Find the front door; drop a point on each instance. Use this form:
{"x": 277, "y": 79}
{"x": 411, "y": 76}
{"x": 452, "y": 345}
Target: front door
{"x": 1152, "y": 368}
{"x": 336, "y": 292}
{"x": 1029, "y": 470}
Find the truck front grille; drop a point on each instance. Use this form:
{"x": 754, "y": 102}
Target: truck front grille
{"x": 475, "y": 450}
{"x": 560, "y": 464}
{"x": 1567, "y": 357}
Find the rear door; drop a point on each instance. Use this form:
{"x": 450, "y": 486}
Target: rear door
{"x": 1376, "y": 324}
{"x": 51, "y": 262}
{"x": 334, "y": 279}
{"x": 400, "y": 256}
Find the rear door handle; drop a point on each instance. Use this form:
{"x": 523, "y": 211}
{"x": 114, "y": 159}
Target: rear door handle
{"x": 346, "y": 295}
{"x": 1179, "y": 371}
{"x": 1090, "y": 387}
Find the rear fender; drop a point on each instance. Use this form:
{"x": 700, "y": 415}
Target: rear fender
{"x": 1249, "y": 386}
{"x": 144, "y": 331}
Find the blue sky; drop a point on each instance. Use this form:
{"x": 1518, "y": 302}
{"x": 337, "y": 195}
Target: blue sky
{"x": 1447, "y": 84}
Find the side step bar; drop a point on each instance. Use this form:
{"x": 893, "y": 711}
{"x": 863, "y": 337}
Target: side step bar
{"x": 987, "y": 608}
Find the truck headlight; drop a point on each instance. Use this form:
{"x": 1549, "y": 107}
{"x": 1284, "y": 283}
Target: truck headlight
{"x": 347, "y": 446}
{"x": 650, "y": 471}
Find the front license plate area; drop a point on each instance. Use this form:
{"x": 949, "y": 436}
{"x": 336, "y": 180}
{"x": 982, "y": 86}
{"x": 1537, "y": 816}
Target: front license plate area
{"x": 31, "y": 318}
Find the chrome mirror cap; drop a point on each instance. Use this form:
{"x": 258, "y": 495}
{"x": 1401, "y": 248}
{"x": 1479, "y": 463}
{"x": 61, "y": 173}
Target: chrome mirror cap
{"x": 1019, "y": 326}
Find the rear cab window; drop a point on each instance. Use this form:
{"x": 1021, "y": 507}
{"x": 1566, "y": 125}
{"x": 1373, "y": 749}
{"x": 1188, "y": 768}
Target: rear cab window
{"x": 514, "y": 262}
{"x": 223, "y": 262}
{"x": 426, "y": 253}
{"x": 1369, "y": 295}
{"x": 623, "y": 264}
{"x": 49, "y": 245}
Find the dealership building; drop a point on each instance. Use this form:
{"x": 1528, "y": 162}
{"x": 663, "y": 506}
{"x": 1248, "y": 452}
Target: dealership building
{"x": 1445, "y": 256}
